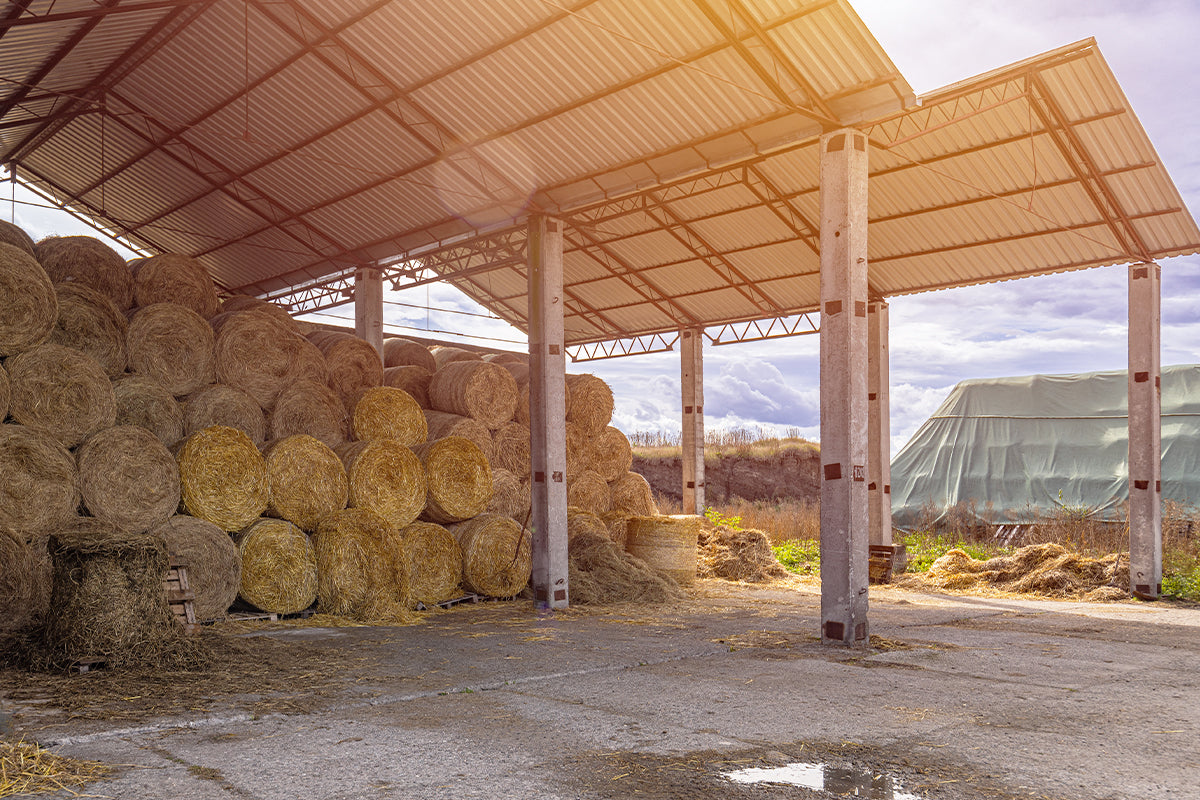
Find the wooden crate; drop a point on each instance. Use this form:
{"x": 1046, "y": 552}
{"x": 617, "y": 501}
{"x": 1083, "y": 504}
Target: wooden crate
{"x": 180, "y": 595}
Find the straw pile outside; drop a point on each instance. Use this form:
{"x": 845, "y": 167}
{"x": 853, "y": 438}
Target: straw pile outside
{"x": 458, "y": 478}
{"x": 127, "y": 477}
{"x": 511, "y": 496}
{"x": 412, "y": 379}
{"x": 260, "y": 353}
{"x": 443, "y": 355}
{"x": 279, "y": 567}
{"x": 173, "y": 345}
{"x": 89, "y": 321}
{"x": 433, "y": 562}
{"x": 599, "y": 572}
{"x": 218, "y": 404}
{"x": 385, "y": 412}
{"x": 668, "y": 544}
{"x": 442, "y": 425}
{"x": 631, "y": 494}
{"x": 174, "y": 278}
{"x": 399, "y": 352}
{"x": 312, "y": 408}
{"x": 223, "y": 477}
{"x": 512, "y": 445}
{"x": 88, "y": 261}
{"x": 30, "y": 304}
{"x": 214, "y": 566}
{"x": 26, "y": 769}
{"x": 144, "y": 402}
{"x": 1042, "y": 569}
{"x": 40, "y": 486}
{"x": 307, "y": 480}
{"x": 19, "y": 592}
{"x": 16, "y": 236}
{"x": 737, "y": 555}
{"x": 62, "y": 391}
{"x": 477, "y": 389}
{"x": 386, "y": 478}
{"x": 591, "y": 403}
{"x": 589, "y": 492}
{"x": 354, "y": 366}
{"x": 497, "y": 555}
{"x": 609, "y": 454}
{"x": 356, "y": 572}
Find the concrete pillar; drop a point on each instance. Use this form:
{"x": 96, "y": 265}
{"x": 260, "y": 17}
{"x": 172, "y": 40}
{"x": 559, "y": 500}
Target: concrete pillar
{"x": 879, "y": 428}
{"x": 368, "y": 306}
{"x": 1145, "y": 431}
{"x": 691, "y": 377}
{"x": 844, "y": 517}
{"x": 547, "y": 413}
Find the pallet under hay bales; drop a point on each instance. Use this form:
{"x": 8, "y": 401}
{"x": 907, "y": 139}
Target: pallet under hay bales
{"x": 442, "y": 424}
{"x": 512, "y": 448}
{"x": 61, "y": 391}
{"x": 260, "y": 353}
{"x": 30, "y": 304}
{"x": 399, "y": 352}
{"x": 591, "y": 403}
{"x": 589, "y": 492}
{"x": 144, "y": 402}
{"x": 433, "y": 562}
{"x": 386, "y": 478}
{"x": 632, "y": 496}
{"x": 223, "y": 477}
{"x": 511, "y": 495}
{"x": 497, "y": 555}
{"x": 24, "y": 582}
{"x": 308, "y": 480}
{"x": 89, "y": 261}
{"x": 175, "y": 278}
{"x": 666, "y": 543}
{"x": 385, "y": 412}
{"x": 279, "y": 567}
{"x": 180, "y": 597}
{"x": 40, "y": 487}
{"x": 214, "y": 566}
{"x": 458, "y": 479}
{"x": 1043, "y": 569}
{"x": 128, "y": 477}
{"x": 599, "y": 572}
{"x": 737, "y": 555}
{"x": 173, "y": 345}
{"x": 477, "y": 389}
{"x": 358, "y": 572}
{"x": 412, "y": 379}
{"x": 609, "y": 454}
{"x": 311, "y": 408}
{"x": 354, "y": 367}
{"x": 218, "y": 404}
{"x": 89, "y": 321}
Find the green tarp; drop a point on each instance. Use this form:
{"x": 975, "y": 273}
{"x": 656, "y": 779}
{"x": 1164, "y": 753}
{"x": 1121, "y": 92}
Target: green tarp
{"x": 1018, "y": 448}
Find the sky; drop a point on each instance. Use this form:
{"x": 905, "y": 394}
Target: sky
{"x": 1075, "y": 322}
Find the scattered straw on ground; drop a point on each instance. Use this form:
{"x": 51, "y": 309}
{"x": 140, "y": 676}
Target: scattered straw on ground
{"x": 737, "y": 555}
{"x": 26, "y": 768}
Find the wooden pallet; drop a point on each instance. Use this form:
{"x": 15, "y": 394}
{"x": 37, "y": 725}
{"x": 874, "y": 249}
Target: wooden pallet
{"x": 467, "y": 598}
{"x": 884, "y": 560}
{"x": 180, "y": 596}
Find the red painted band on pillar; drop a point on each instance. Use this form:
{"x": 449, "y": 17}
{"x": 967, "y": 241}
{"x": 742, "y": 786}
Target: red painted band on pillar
{"x": 1140, "y": 272}
{"x": 833, "y": 307}
{"x": 833, "y": 472}
{"x": 1141, "y": 484}
{"x": 1141, "y": 377}
{"x": 860, "y": 308}
{"x": 836, "y": 143}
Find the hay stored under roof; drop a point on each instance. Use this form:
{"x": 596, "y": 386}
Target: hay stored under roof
{"x": 40, "y": 487}
{"x": 218, "y": 404}
{"x": 609, "y": 454}
{"x": 307, "y": 479}
{"x": 144, "y": 402}
{"x": 214, "y": 566}
{"x": 511, "y": 495}
{"x": 173, "y": 345}
{"x": 223, "y": 477}
{"x": 669, "y": 544}
{"x": 87, "y": 260}
{"x": 62, "y": 391}
{"x": 385, "y": 412}
{"x": 174, "y": 278}
{"x": 279, "y": 567}
{"x": 412, "y": 379}
{"x": 386, "y": 478}
{"x": 30, "y": 304}
{"x": 477, "y": 389}
{"x": 16, "y": 236}
{"x": 91, "y": 322}
{"x": 128, "y": 477}
{"x": 445, "y": 354}
{"x": 259, "y": 353}
{"x": 354, "y": 366}
{"x": 442, "y": 424}
{"x": 632, "y": 496}
{"x": 311, "y": 408}
{"x": 433, "y": 562}
{"x": 590, "y": 492}
{"x": 5, "y": 393}
{"x": 356, "y": 575}
{"x": 23, "y": 583}
{"x": 497, "y": 555}
{"x": 591, "y": 403}
{"x": 512, "y": 444}
{"x": 458, "y": 479}
{"x": 399, "y": 352}
{"x": 599, "y": 572}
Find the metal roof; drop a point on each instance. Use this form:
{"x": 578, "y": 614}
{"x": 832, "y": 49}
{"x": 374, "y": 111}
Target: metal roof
{"x": 288, "y": 143}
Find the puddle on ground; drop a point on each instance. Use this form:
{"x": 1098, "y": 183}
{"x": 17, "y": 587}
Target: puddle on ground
{"x": 835, "y": 781}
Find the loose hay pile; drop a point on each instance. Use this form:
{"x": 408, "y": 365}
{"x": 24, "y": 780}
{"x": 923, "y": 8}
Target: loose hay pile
{"x": 144, "y": 402}
{"x": 433, "y": 561}
{"x": 89, "y": 321}
{"x": 1043, "y": 569}
{"x": 27, "y": 769}
{"x": 173, "y": 345}
{"x": 61, "y": 391}
{"x": 39, "y": 489}
{"x": 214, "y": 568}
{"x": 599, "y": 572}
{"x": 279, "y": 567}
{"x": 458, "y": 477}
{"x": 128, "y": 477}
{"x": 737, "y": 555}
{"x": 497, "y": 555}
{"x": 223, "y": 477}
{"x": 386, "y": 478}
{"x": 307, "y": 480}
{"x": 385, "y": 412}
{"x": 219, "y": 404}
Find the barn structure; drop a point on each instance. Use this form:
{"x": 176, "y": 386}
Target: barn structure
{"x": 611, "y": 177}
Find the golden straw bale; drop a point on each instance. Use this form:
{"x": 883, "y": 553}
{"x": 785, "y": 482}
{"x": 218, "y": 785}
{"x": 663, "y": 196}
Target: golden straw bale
{"x": 16, "y": 236}
{"x": 591, "y": 403}
{"x": 444, "y": 354}
{"x": 30, "y": 304}
{"x": 433, "y": 562}
{"x": 214, "y": 566}
{"x": 5, "y": 393}
{"x": 18, "y": 590}
{"x": 497, "y": 555}
{"x": 218, "y": 404}
{"x": 507, "y": 357}
{"x": 89, "y": 321}
{"x": 609, "y": 454}
{"x": 386, "y": 478}
{"x": 307, "y": 478}
{"x": 520, "y": 373}
{"x": 310, "y": 408}
{"x": 618, "y": 525}
{"x": 223, "y": 477}
{"x": 173, "y": 345}
{"x": 510, "y": 496}
{"x": 279, "y": 566}
{"x": 128, "y": 477}
{"x": 580, "y": 521}
{"x": 244, "y": 302}
{"x": 458, "y": 478}
{"x": 259, "y": 353}
{"x": 631, "y": 494}
{"x": 668, "y": 544}
{"x": 442, "y": 425}
{"x": 511, "y": 441}
{"x": 476, "y": 389}
{"x": 398, "y": 352}
{"x": 175, "y": 278}
{"x": 40, "y": 480}
{"x": 385, "y": 412}
{"x": 521, "y": 414}
{"x": 577, "y": 451}
{"x": 89, "y": 261}
{"x": 62, "y": 391}
{"x": 356, "y": 572}
{"x": 354, "y": 366}
{"x": 589, "y": 492}
{"x": 600, "y": 572}
{"x": 412, "y": 379}
{"x": 144, "y": 402}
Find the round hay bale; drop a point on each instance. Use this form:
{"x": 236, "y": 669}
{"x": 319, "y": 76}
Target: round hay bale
{"x": 577, "y": 451}
{"x": 445, "y": 354}
{"x": 128, "y": 477}
{"x": 507, "y": 358}
{"x": 16, "y": 236}
{"x": 354, "y": 367}
{"x": 398, "y": 352}
{"x": 244, "y": 302}
{"x": 19, "y": 591}
{"x": 599, "y": 572}
{"x": 510, "y": 496}
{"x": 89, "y": 261}
{"x": 497, "y": 555}
{"x": 40, "y": 486}
{"x": 5, "y": 393}
{"x": 279, "y": 567}
{"x": 581, "y": 522}
{"x": 520, "y": 373}
{"x": 311, "y": 408}
{"x": 307, "y": 479}
{"x": 668, "y": 544}
{"x": 442, "y": 425}
{"x": 144, "y": 402}
{"x": 475, "y": 389}
{"x": 609, "y": 454}
{"x": 260, "y": 354}
{"x": 631, "y": 494}
{"x": 385, "y": 412}
{"x": 218, "y": 404}
{"x": 214, "y": 566}
{"x": 511, "y": 441}
{"x": 223, "y": 477}
{"x": 356, "y": 567}
{"x": 62, "y": 391}
{"x": 412, "y": 379}
{"x": 386, "y": 478}
{"x": 173, "y": 345}
{"x": 591, "y": 403}
{"x": 458, "y": 478}
{"x": 30, "y": 304}
{"x": 589, "y": 492}
{"x": 89, "y": 321}
{"x": 174, "y": 278}
{"x": 433, "y": 563}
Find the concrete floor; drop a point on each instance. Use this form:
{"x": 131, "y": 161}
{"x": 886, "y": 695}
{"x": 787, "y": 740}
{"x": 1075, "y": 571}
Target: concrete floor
{"x": 962, "y": 697}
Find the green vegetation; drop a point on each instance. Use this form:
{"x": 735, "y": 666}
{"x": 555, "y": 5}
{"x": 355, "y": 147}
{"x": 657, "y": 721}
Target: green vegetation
{"x": 924, "y": 548}
{"x": 799, "y": 556}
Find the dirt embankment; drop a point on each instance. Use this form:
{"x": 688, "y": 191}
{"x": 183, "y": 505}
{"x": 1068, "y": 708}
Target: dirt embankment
{"x": 790, "y": 473}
